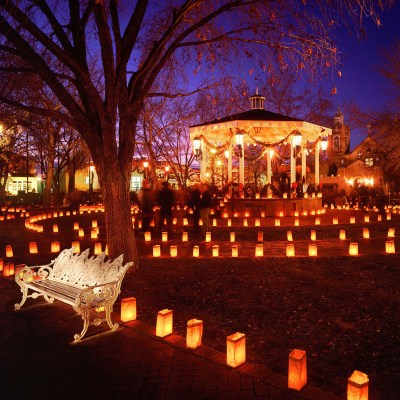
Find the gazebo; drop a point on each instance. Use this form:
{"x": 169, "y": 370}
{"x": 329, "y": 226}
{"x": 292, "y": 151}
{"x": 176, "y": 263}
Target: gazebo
{"x": 261, "y": 127}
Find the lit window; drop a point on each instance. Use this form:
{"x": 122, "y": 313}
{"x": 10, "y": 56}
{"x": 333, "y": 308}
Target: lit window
{"x": 369, "y": 161}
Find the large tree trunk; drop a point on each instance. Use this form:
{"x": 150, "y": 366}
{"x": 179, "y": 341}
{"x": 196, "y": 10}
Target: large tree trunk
{"x": 115, "y": 190}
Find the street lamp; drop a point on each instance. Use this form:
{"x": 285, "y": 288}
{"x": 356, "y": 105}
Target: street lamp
{"x": 324, "y": 144}
{"x": 167, "y": 173}
{"x": 239, "y": 136}
{"x": 197, "y": 148}
{"x": 91, "y": 179}
{"x": 297, "y": 137}
{"x": 145, "y": 166}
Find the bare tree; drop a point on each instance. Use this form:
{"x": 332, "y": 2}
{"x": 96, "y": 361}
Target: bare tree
{"x": 102, "y": 59}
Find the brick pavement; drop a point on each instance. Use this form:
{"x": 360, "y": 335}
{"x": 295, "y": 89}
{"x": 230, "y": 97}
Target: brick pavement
{"x": 37, "y": 361}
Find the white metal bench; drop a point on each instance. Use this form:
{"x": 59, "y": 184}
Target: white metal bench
{"x": 89, "y": 285}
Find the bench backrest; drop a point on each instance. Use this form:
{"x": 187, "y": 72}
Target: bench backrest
{"x": 82, "y": 271}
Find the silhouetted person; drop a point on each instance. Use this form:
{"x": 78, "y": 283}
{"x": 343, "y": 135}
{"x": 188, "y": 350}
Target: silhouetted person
{"x": 205, "y": 205}
{"x": 146, "y": 203}
{"x": 165, "y": 199}
{"x": 195, "y": 205}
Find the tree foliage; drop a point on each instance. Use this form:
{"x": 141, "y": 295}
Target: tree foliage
{"x": 102, "y": 59}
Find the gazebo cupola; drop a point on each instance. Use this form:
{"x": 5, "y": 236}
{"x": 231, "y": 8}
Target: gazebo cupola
{"x": 257, "y": 101}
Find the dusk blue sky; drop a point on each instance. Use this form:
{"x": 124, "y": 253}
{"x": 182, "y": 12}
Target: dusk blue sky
{"x": 361, "y": 82}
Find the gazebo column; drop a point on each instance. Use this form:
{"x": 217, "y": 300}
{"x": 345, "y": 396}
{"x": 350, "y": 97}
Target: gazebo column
{"x": 269, "y": 167}
{"x": 316, "y": 165}
{"x": 241, "y": 169}
{"x": 230, "y": 162}
{"x": 303, "y": 163}
{"x": 203, "y": 164}
{"x": 292, "y": 165}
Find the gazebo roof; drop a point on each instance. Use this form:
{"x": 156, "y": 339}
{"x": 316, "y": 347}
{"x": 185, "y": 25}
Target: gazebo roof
{"x": 250, "y": 115}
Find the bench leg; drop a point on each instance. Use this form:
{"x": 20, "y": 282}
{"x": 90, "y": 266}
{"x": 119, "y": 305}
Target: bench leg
{"x": 113, "y": 326}
{"x": 86, "y": 321}
{"x": 24, "y": 290}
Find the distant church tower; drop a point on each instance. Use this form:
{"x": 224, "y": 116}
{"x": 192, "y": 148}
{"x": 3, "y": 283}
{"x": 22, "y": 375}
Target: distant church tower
{"x": 339, "y": 142}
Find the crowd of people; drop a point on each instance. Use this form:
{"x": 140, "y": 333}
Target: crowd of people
{"x": 198, "y": 198}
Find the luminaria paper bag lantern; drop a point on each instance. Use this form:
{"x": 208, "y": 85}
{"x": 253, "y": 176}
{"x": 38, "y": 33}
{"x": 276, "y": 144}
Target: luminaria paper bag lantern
{"x": 259, "y": 250}
{"x": 185, "y": 236}
{"x": 215, "y": 251}
{"x": 277, "y": 222}
{"x": 94, "y": 223}
{"x": 390, "y": 248}
{"x": 147, "y": 236}
{"x": 236, "y": 349}
{"x": 33, "y": 248}
{"x": 297, "y": 373}
{"x": 260, "y": 236}
{"x": 357, "y": 386}
{"x": 97, "y": 248}
{"x": 257, "y": 222}
{"x": 290, "y": 250}
{"x": 366, "y": 218}
{"x": 80, "y": 232}
{"x": 379, "y": 217}
{"x": 173, "y": 251}
{"x": 76, "y": 226}
{"x": 229, "y": 222}
{"x": 208, "y": 236}
{"x": 164, "y": 323}
{"x": 128, "y": 309}
{"x": 9, "y": 251}
{"x": 296, "y": 222}
{"x": 335, "y": 221}
{"x": 232, "y": 237}
{"x": 164, "y": 236}
{"x": 317, "y": 221}
{"x": 8, "y": 269}
{"x": 391, "y": 232}
{"x": 235, "y": 251}
{"x": 352, "y": 220}
{"x": 353, "y": 249}
{"x": 1, "y": 265}
{"x": 76, "y": 247}
{"x": 55, "y": 247}
{"x": 55, "y": 228}
{"x": 365, "y": 233}
{"x": 312, "y": 250}
{"x": 93, "y": 233}
{"x": 245, "y": 223}
{"x": 214, "y": 223}
{"x": 156, "y": 250}
{"x": 196, "y": 251}
{"x": 313, "y": 235}
{"x": 342, "y": 234}
{"x": 194, "y": 333}
{"x": 185, "y": 221}
{"x": 289, "y": 236}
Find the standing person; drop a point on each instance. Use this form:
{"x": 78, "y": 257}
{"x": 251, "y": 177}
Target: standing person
{"x": 204, "y": 206}
{"x": 195, "y": 205}
{"x": 146, "y": 203}
{"x": 165, "y": 199}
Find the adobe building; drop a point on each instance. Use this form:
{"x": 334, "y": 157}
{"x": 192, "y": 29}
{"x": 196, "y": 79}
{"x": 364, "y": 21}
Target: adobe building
{"x": 346, "y": 170}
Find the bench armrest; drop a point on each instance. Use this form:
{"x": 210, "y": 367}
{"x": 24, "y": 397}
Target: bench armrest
{"x": 36, "y": 272}
{"x": 104, "y": 293}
